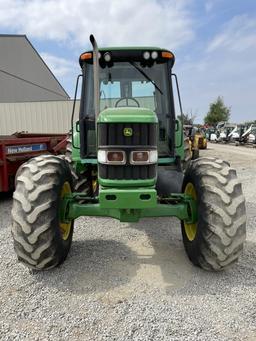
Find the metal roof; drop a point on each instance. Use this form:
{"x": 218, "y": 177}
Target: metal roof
{"x": 24, "y": 76}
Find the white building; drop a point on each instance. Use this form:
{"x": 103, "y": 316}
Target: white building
{"x": 31, "y": 98}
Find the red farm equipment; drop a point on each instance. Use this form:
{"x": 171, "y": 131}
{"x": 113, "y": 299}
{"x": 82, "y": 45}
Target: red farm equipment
{"x": 19, "y": 147}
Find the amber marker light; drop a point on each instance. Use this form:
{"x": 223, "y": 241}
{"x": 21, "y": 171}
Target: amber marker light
{"x": 167, "y": 54}
{"x": 86, "y": 56}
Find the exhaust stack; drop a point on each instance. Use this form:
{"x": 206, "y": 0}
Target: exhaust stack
{"x": 95, "y": 76}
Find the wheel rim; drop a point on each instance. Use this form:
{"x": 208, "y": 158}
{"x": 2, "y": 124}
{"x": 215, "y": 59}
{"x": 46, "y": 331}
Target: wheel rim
{"x": 94, "y": 186}
{"x": 65, "y": 227}
{"x": 190, "y": 229}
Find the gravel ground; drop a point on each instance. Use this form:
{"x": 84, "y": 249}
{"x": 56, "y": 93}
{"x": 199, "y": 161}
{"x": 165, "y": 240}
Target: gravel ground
{"x": 132, "y": 282}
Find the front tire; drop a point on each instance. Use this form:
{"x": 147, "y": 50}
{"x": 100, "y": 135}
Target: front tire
{"x": 41, "y": 240}
{"x": 195, "y": 154}
{"x": 81, "y": 180}
{"x": 216, "y": 240}
{"x": 187, "y": 152}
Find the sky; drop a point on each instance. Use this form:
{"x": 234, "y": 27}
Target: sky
{"x": 214, "y": 42}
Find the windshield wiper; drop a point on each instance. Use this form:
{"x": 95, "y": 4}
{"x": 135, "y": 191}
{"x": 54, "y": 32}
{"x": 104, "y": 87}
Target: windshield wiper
{"x": 146, "y": 76}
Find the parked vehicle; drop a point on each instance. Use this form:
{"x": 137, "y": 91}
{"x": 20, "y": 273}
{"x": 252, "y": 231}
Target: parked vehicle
{"x": 20, "y": 147}
{"x": 129, "y": 150}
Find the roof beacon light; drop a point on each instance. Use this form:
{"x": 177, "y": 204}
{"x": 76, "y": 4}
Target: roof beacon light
{"x": 154, "y": 55}
{"x": 146, "y": 55}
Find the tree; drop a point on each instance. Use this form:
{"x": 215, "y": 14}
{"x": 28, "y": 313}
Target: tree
{"x": 217, "y": 112}
{"x": 188, "y": 118}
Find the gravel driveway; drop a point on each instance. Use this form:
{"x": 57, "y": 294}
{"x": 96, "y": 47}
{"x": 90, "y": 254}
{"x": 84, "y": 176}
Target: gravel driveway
{"x": 132, "y": 282}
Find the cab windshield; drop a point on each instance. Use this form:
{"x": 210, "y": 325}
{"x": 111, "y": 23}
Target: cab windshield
{"x": 129, "y": 84}
{"x": 132, "y": 84}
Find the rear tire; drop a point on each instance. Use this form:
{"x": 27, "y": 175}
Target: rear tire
{"x": 217, "y": 240}
{"x": 41, "y": 241}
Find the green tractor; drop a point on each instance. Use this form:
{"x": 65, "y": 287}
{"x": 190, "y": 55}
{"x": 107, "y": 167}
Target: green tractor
{"x": 126, "y": 161}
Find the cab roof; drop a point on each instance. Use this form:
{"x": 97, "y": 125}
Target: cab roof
{"x": 130, "y": 53}
{"x": 127, "y": 48}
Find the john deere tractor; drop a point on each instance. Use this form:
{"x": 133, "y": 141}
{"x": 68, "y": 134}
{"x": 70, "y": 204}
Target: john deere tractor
{"x": 127, "y": 162}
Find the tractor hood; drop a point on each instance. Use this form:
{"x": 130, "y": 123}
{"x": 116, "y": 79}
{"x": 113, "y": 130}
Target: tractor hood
{"x": 126, "y": 114}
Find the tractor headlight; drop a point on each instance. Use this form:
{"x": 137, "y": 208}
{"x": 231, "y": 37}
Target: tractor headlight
{"x": 143, "y": 157}
{"x": 154, "y": 55}
{"x": 146, "y": 55}
{"x": 111, "y": 157}
{"x": 107, "y": 57}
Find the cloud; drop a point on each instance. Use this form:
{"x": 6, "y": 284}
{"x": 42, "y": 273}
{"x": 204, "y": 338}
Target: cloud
{"x": 226, "y": 68}
{"x": 209, "y": 6}
{"x": 65, "y": 70}
{"x": 113, "y": 22}
{"x": 165, "y": 23}
{"x": 59, "y": 66}
{"x": 237, "y": 35}
{"x": 222, "y": 64}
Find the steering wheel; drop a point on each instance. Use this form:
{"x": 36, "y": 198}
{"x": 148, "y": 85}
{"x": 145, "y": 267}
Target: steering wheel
{"x": 127, "y": 98}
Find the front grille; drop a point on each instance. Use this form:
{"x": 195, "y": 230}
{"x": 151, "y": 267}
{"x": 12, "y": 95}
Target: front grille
{"x": 127, "y": 172}
{"x": 111, "y": 136}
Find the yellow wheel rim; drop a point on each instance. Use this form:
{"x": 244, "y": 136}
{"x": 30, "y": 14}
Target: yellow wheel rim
{"x": 65, "y": 227}
{"x": 94, "y": 185}
{"x": 190, "y": 229}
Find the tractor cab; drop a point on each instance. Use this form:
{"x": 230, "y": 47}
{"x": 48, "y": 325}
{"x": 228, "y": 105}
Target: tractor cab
{"x": 133, "y": 83}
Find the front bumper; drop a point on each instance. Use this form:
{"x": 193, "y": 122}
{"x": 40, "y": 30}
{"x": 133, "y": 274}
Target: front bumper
{"x": 128, "y": 205}
{"x": 139, "y": 198}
